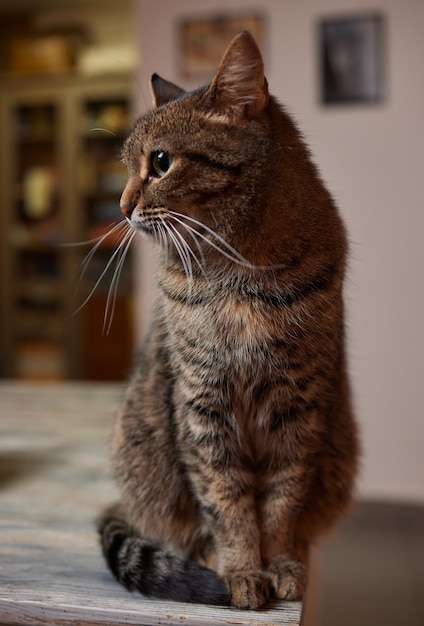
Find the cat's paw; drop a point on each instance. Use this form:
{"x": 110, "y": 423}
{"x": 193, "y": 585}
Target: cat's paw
{"x": 248, "y": 590}
{"x": 288, "y": 578}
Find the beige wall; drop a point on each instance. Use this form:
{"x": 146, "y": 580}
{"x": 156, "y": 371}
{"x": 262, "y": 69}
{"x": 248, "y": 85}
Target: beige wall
{"x": 371, "y": 156}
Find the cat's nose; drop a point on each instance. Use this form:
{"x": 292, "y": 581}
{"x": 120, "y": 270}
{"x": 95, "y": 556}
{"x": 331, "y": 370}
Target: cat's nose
{"x": 127, "y": 209}
{"x": 130, "y": 197}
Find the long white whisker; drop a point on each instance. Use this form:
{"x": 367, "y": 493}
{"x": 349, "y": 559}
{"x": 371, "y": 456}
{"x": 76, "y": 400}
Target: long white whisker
{"x": 115, "y": 281}
{"x": 235, "y": 256}
{"x": 240, "y": 261}
{"x": 185, "y": 257}
{"x": 230, "y": 253}
{"x": 158, "y": 233}
{"x": 116, "y": 252}
{"x": 193, "y": 235}
{"x": 188, "y": 248}
{"x": 164, "y": 241}
{"x": 111, "y": 294}
{"x": 103, "y": 130}
{"x": 86, "y": 261}
{"x": 113, "y": 289}
{"x": 180, "y": 247}
{"x": 99, "y": 239}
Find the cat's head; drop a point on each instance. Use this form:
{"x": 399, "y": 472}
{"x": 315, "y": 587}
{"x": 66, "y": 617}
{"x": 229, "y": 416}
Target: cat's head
{"x": 197, "y": 162}
{"x": 213, "y": 173}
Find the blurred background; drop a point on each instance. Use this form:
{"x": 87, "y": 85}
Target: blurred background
{"x": 73, "y": 77}
{"x": 67, "y": 77}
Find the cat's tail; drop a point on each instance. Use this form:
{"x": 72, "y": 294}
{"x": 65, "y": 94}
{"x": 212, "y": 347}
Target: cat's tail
{"x": 143, "y": 565}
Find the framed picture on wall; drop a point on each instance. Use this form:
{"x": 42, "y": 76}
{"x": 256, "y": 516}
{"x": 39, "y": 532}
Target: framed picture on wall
{"x": 202, "y": 41}
{"x": 351, "y": 59}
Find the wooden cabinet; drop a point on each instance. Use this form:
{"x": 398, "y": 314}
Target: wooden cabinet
{"x": 60, "y": 182}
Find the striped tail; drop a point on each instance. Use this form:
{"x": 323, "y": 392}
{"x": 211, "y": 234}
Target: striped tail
{"x": 144, "y": 565}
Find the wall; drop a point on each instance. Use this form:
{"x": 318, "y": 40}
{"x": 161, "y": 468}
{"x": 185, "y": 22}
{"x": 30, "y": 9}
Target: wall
{"x": 371, "y": 157}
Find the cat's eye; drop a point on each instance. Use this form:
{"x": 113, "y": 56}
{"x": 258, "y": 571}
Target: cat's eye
{"x": 161, "y": 163}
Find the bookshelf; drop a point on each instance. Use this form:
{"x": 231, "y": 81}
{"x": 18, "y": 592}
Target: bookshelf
{"x": 60, "y": 182}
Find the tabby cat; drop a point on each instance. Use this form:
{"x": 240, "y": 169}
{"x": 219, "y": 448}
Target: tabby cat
{"x": 235, "y": 446}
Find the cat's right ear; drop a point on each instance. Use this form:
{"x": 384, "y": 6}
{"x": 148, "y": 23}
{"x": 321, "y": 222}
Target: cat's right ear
{"x": 239, "y": 90}
{"x": 163, "y": 91}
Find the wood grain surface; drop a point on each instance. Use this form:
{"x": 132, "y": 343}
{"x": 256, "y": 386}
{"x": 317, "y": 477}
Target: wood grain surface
{"x": 54, "y": 480}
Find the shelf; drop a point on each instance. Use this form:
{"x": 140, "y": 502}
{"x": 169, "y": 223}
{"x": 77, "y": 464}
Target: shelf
{"x": 32, "y": 325}
{"x": 26, "y": 240}
{"x": 35, "y": 119}
{"x": 40, "y": 360}
{"x": 106, "y": 119}
{"x": 42, "y": 289}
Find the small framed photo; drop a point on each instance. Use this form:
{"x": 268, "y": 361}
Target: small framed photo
{"x": 351, "y": 59}
{"x": 202, "y": 41}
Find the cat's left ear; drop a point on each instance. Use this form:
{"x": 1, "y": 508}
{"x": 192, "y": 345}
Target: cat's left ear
{"x": 239, "y": 89}
{"x": 163, "y": 91}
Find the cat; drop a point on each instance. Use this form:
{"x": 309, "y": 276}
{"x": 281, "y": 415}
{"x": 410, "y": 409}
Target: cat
{"x": 235, "y": 447}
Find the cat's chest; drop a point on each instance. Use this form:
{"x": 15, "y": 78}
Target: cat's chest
{"x": 226, "y": 321}
{"x": 225, "y": 333}
{"x": 231, "y": 349}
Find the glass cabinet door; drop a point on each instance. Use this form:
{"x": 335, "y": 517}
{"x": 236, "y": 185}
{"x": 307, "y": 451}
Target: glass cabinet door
{"x": 106, "y": 277}
{"x": 36, "y": 234}
{"x": 64, "y": 313}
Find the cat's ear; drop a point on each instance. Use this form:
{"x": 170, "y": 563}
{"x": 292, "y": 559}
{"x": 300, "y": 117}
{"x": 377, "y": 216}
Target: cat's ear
{"x": 163, "y": 91}
{"x": 239, "y": 89}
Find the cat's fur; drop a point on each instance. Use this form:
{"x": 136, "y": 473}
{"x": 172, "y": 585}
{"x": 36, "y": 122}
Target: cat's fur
{"x": 235, "y": 446}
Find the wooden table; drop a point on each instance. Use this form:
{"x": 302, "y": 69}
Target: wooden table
{"x": 54, "y": 480}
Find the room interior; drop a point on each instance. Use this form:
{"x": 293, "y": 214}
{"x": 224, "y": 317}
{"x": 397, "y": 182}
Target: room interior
{"x": 73, "y": 77}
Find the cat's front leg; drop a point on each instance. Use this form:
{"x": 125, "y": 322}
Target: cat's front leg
{"x": 285, "y": 560}
{"x": 232, "y": 517}
{"x": 237, "y": 540}
{"x": 225, "y": 491}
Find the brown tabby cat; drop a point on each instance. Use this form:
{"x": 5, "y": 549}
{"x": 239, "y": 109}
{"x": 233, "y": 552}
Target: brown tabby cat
{"x": 235, "y": 447}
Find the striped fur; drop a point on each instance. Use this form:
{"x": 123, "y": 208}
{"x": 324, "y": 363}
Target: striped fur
{"x": 235, "y": 447}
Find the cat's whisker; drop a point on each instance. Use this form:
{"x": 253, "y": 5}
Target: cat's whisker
{"x": 88, "y": 242}
{"x": 235, "y": 255}
{"x": 201, "y": 263}
{"x": 109, "y": 263}
{"x": 86, "y": 261}
{"x": 113, "y": 289}
{"x": 156, "y": 235}
{"x": 163, "y": 229}
{"x": 183, "y": 252}
{"x": 232, "y": 255}
{"x": 180, "y": 246}
{"x": 98, "y": 240}
{"x": 188, "y": 253}
{"x": 118, "y": 272}
{"x": 102, "y": 130}
{"x": 189, "y": 248}
{"x": 164, "y": 241}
